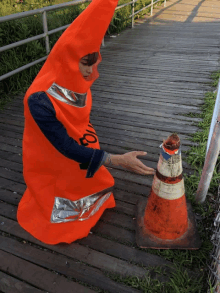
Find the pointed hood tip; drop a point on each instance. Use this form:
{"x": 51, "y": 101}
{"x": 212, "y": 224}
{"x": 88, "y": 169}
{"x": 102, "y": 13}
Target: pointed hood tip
{"x": 84, "y": 36}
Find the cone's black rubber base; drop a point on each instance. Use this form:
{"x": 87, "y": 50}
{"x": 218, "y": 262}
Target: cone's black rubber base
{"x": 145, "y": 239}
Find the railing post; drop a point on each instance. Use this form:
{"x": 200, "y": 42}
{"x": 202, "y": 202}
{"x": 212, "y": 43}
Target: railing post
{"x": 46, "y": 32}
{"x": 165, "y": 3}
{"x": 152, "y": 7}
{"x": 132, "y": 23}
{"x": 214, "y": 116}
{"x": 210, "y": 162}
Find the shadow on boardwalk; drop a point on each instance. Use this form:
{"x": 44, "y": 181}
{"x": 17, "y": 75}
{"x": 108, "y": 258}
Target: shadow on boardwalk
{"x": 150, "y": 77}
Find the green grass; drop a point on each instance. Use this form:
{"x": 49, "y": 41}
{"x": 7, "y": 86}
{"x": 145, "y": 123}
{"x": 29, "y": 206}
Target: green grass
{"x": 215, "y": 76}
{"x": 180, "y": 282}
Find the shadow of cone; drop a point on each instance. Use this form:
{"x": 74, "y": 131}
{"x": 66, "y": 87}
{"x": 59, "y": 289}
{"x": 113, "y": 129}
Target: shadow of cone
{"x": 165, "y": 220}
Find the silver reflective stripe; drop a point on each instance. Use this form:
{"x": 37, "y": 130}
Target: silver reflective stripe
{"x": 67, "y": 96}
{"x": 65, "y": 210}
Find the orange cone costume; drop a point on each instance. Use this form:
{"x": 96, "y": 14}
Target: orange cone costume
{"x": 60, "y": 204}
{"x": 166, "y": 219}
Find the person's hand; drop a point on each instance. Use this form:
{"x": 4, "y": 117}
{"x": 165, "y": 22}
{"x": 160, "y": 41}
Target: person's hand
{"x": 132, "y": 163}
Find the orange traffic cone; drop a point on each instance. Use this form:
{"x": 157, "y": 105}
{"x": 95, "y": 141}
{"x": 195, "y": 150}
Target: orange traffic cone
{"x": 166, "y": 220}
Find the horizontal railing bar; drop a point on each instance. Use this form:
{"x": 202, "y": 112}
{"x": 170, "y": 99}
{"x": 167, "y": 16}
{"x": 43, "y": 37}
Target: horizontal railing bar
{"x": 22, "y": 68}
{"x": 19, "y": 43}
{"x": 58, "y": 29}
{"x": 40, "y": 10}
{"x": 143, "y": 8}
{"x": 129, "y": 3}
{"x": 123, "y": 5}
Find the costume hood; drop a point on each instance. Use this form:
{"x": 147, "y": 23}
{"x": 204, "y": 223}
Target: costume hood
{"x": 84, "y": 36}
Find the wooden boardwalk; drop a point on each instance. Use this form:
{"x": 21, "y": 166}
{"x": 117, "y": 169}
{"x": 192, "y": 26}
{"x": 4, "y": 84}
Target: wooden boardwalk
{"x": 149, "y": 78}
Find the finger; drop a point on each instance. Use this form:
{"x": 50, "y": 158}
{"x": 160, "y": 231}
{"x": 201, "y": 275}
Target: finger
{"x": 142, "y": 172}
{"x": 139, "y": 153}
{"x": 144, "y": 167}
{"x": 138, "y": 170}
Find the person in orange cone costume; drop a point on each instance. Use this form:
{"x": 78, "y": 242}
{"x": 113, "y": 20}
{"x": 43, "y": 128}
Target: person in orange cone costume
{"x": 55, "y": 182}
{"x": 60, "y": 204}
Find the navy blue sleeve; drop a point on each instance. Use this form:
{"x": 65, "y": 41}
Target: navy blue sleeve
{"x": 43, "y": 112}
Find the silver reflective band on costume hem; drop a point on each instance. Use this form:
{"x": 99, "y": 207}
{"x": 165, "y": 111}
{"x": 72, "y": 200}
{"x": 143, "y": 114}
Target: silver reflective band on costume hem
{"x": 67, "y": 96}
{"x": 65, "y": 210}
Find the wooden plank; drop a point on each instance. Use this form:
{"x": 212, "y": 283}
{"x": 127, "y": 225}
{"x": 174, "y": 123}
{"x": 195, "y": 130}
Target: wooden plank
{"x": 117, "y": 233}
{"x": 8, "y": 144}
{"x": 106, "y": 246}
{"x": 9, "y": 197}
{"x": 149, "y": 98}
{"x": 10, "y": 149}
{"x": 117, "y": 172}
{"x": 14, "y": 157}
{"x": 136, "y": 144}
{"x": 134, "y": 187}
{"x": 62, "y": 265}
{"x": 137, "y": 101}
{"x": 98, "y": 118}
{"x": 119, "y": 184}
{"x": 150, "y": 71}
{"x": 78, "y": 252}
{"x": 123, "y": 119}
{"x": 12, "y": 185}
{"x": 161, "y": 86}
{"x": 146, "y": 79}
{"x": 12, "y": 175}
{"x": 5, "y": 128}
{"x": 121, "y": 195}
{"x": 141, "y": 117}
{"x": 9, "y": 211}
{"x": 14, "y": 199}
{"x": 13, "y": 129}
{"x": 36, "y": 275}
{"x": 151, "y": 147}
{"x": 129, "y": 253}
{"x": 10, "y": 284}
{"x": 111, "y": 217}
{"x": 10, "y": 165}
{"x": 121, "y": 132}
{"x": 159, "y": 112}
{"x": 143, "y": 104}
{"x": 128, "y": 135}
{"x": 10, "y": 121}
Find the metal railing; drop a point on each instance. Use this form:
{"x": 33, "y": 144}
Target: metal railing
{"x": 214, "y": 263}
{"x": 212, "y": 153}
{"x": 47, "y": 33}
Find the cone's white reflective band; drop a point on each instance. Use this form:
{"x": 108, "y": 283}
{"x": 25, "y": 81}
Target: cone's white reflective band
{"x": 171, "y": 167}
{"x": 168, "y": 191}
{"x": 67, "y": 96}
{"x": 65, "y": 210}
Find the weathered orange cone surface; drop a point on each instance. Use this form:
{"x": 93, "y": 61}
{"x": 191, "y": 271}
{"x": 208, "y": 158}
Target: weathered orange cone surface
{"x": 165, "y": 220}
